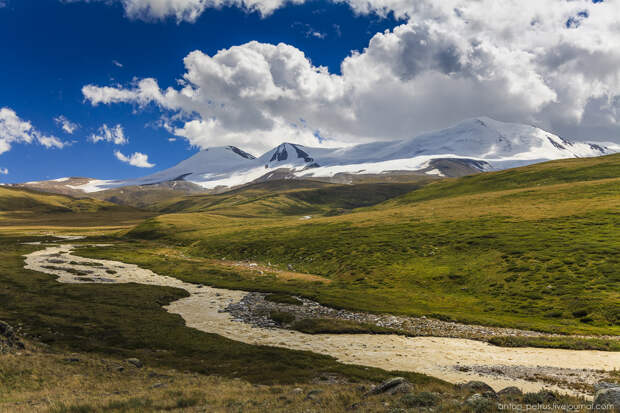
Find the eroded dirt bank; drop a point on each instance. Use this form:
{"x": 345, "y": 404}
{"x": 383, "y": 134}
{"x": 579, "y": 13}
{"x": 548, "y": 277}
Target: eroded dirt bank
{"x": 451, "y": 359}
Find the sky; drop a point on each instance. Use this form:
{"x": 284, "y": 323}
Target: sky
{"x": 122, "y": 88}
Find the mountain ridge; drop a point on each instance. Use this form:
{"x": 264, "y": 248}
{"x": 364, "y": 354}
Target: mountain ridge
{"x": 477, "y": 145}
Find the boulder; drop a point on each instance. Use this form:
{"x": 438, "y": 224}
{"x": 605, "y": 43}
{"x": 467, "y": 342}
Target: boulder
{"x": 388, "y": 385}
{"x": 510, "y": 392}
{"x": 608, "y": 396}
{"x": 476, "y": 387}
{"x": 602, "y": 385}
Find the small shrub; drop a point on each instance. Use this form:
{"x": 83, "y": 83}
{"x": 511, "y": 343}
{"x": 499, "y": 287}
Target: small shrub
{"x": 282, "y": 317}
{"x": 283, "y": 299}
{"x": 185, "y": 402}
{"x": 580, "y": 313}
{"x": 423, "y": 399}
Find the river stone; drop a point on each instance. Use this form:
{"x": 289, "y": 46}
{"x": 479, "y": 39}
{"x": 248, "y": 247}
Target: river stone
{"x": 388, "y": 384}
{"x": 477, "y": 387}
{"x": 510, "y": 392}
{"x": 608, "y": 396}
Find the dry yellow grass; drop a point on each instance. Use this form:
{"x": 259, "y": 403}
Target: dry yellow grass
{"x": 40, "y": 381}
{"x": 244, "y": 268}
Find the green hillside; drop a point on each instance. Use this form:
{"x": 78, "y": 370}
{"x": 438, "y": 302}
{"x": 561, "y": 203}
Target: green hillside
{"x": 534, "y": 247}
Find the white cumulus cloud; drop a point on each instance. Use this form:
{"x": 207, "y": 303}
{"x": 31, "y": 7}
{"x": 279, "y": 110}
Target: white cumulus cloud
{"x": 15, "y": 130}
{"x": 188, "y": 10}
{"x": 65, "y": 124}
{"x": 552, "y": 63}
{"x": 114, "y": 134}
{"x": 136, "y": 159}
{"x": 4, "y": 171}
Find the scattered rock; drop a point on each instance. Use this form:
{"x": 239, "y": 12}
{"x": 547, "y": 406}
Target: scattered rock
{"x": 510, "y": 392}
{"x": 388, "y": 384}
{"x": 479, "y": 403}
{"x": 474, "y": 399}
{"x": 71, "y": 360}
{"x": 608, "y": 396}
{"x": 297, "y": 390}
{"x": 135, "y": 362}
{"x": 8, "y": 339}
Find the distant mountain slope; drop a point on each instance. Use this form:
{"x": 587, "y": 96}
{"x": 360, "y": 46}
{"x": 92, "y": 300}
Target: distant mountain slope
{"x": 286, "y": 197}
{"x": 25, "y": 207}
{"x": 532, "y": 176}
{"x": 474, "y": 145}
{"x": 20, "y": 200}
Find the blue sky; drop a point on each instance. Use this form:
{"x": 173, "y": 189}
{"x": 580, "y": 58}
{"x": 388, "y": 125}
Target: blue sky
{"x": 54, "y": 49}
{"x": 255, "y": 73}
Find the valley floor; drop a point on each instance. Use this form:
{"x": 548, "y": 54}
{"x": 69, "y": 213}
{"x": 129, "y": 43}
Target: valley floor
{"x": 451, "y": 359}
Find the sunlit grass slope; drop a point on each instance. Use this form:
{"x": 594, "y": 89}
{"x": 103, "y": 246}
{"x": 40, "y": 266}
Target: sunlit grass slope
{"x": 534, "y": 247}
{"x": 289, "y": 197}
{"x": 28, "y": 208}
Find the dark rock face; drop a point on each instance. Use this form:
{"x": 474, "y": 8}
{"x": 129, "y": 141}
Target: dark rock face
{"x": 302, "y": 154}
{"x": 280, "y": 154}
{"x": 242, "y": 153}
{"x": 554, "y": 143}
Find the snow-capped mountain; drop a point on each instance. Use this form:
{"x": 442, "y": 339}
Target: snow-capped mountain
{"x": 480, "y": 144}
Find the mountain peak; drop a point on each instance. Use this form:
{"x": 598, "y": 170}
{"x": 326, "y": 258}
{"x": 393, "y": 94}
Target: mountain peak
{"x": 289, "y": 153}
